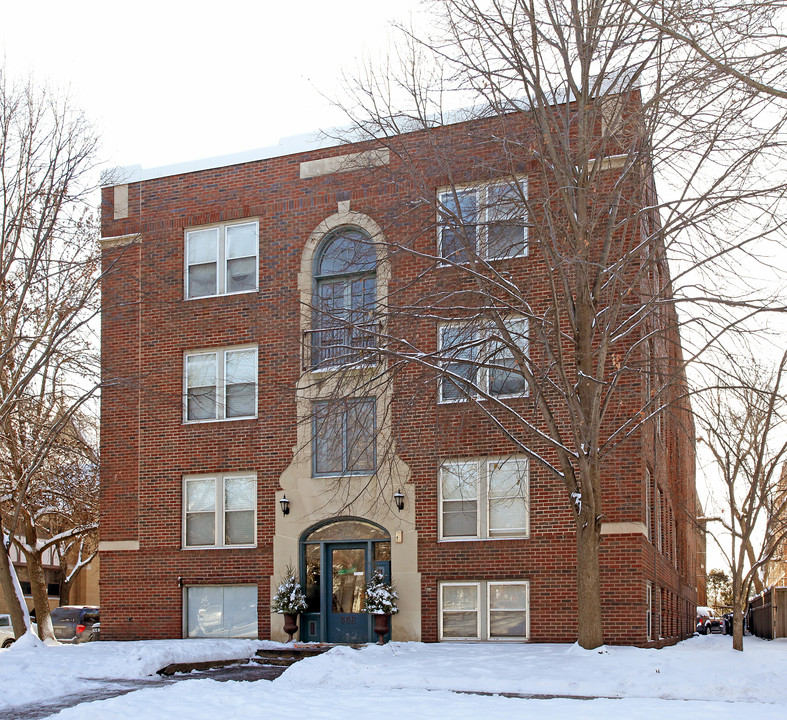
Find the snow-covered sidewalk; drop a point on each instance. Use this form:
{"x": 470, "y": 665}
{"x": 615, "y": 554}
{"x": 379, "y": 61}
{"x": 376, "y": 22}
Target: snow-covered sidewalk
{"x": 699, "y": 678}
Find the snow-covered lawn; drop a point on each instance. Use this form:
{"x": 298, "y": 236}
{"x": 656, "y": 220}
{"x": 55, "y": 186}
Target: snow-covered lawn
{"x": 697, "y": 679}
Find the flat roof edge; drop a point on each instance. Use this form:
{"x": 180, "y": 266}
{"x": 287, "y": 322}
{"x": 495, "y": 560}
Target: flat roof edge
{"x": 286, "y": 146}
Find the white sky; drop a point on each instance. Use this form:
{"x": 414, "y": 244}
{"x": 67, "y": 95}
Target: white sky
{"x": 169, "y": 81}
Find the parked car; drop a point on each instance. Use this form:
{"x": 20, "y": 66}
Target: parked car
{"x": 75, "y": 623}
{"x": 7, "y": 631}
{"x": 707, "y": 620}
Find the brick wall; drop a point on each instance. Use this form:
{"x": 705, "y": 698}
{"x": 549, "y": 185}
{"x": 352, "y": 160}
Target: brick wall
{"x": 147, "y": 449}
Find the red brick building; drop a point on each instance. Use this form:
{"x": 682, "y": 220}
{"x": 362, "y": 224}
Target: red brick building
{"x": 234, "y": 289}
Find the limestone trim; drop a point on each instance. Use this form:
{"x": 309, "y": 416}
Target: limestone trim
{"x": 119, "y": 241}
{"x": 345, "y": 163}
{"x": 624, "y": 528}
{"x": 118, "y": 545}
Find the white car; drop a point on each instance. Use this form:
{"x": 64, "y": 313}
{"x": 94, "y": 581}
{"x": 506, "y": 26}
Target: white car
{"x": 7, "y": 631}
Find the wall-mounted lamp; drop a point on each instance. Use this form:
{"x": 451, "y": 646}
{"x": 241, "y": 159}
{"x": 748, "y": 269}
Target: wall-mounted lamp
{"x": 285, "y": 505}
{"x": 399, "y": 499}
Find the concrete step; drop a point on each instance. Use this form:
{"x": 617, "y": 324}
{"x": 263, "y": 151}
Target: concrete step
{"x": 287, "y": 656}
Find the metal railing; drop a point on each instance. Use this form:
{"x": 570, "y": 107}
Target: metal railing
{"x": 341, "y": 345}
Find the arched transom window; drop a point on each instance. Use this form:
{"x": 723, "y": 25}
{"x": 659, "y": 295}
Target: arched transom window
{"x": 343, "y": 330}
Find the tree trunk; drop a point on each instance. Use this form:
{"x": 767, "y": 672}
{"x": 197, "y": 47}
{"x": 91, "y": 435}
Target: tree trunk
{"x": 65, "y": 589}
{"x": 737, "y": 614}
{"x": 40, "y": 596}
{"x": 12, "y": 592}
{"x": 590, "y": 634}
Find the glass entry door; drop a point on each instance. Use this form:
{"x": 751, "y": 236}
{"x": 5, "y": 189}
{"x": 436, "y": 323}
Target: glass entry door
{"x": 347, "y": 622}
{"x": 337, "y": 560}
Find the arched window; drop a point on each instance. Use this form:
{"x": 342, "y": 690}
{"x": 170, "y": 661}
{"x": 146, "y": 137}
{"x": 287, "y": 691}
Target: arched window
{"x": 343, "y": 329}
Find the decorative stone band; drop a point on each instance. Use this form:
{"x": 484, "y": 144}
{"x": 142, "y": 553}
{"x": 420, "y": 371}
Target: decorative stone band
{"x": 611, "y": 162}
{"x": 624, "y": 528}
{"x": 119, "y": 241}
{"x": 117, "y": 545}
{"x": 345, "y": 163}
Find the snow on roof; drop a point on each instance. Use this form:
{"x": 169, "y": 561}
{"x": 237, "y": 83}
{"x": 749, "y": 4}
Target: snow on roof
{"x": 286, "y": 146}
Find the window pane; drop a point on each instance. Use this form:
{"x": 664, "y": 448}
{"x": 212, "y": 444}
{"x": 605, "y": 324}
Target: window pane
{"x": 508, "y": 514}
{"x": 506, "y": 221}
{"x": 201, "y": 370}
{"x": 460, "y": 624}
{"x": 505, "y": 377}
{"x": 200, "y": 529}
{"x": 241, "y": 274}
{"x": 202, "y": 246}
{"x": 459, "y": 481}
{"x": 458, "y": 232}
{"x": 460, "y": 518}
{"x": 312, "y": 578}
{"x": 202, "y": 280}
{"x": 241, "y": 241}
{"x": 222, "y": 611}
{"x": 360, "y": 436}
{"x": 201, "y": 404}
{"x": 457, "y": 343}
{"x": 348, "y": 251}
{"x": 241, "y": 400}
{"x": 239, "y": 527}
{"x": 460, "y": 597}
{"x": 205, "y": 611}
{"x": 507, "y": 596}
{"x": 348, "y": 530}
{"x": 508, "y": 495}
{"x": 508, "y": 624}
{"x": 239, "y": 493}
{"x": 328, "y": 449}
{"x": 506, "y": 382}
{"x": 201, "y": 495}
{"x": 240, "y": 611}
{"x": 241, "y": 366}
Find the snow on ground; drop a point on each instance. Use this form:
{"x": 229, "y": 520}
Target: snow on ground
{"x": 697, "y": 679}
{"x": 32, "y": 672}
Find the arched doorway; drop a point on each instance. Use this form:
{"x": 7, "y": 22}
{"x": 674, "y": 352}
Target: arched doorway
{"x": 337, "y": 560}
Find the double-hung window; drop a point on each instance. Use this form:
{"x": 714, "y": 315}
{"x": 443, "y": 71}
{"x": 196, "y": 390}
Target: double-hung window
{"x": 219, "y": 510}
{"x": 484, "y": 610}
{"x": 220, "y": 384}
{"x": 344, "y": 437}
{"x": 488, "y": 220}
{"x": 482, "y": 360}
{"x": 484, "y": 499}
{"x": 222, "y": 260}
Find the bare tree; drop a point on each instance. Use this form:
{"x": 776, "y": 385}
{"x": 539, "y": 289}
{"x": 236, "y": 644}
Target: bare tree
{"x": 48, "y": 295}
{"x": 742, "y": 422}
{"x": 575, "y": 110}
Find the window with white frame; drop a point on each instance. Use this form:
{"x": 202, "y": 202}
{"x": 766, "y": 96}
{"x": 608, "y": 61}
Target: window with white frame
{"x": 649, "y": 610}
{"x": 488, "y": 220}
{"x": 220, "y": 384}
{"x": 484, "y": 499}
{"x": 484, "y": 610}
{"x": 222, "y": 259}
{"x": 343, "y": 437}
{"x": 221, "y": 611}
{"x": 220, "y": 510}
{"x": 482, "y": 360}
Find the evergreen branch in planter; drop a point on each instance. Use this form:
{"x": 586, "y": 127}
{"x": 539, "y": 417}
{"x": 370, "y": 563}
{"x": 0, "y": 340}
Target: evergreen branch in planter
{"x": 381, "y": 596}
{"x": 289, "y": 598}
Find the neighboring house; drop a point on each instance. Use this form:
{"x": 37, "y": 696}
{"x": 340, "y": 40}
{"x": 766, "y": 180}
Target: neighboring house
{"x": 84, "y": 591}
{"x": 225, "y": 301}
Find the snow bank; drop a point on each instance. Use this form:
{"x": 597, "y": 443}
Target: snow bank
{"x": 703, "y": 668}
{"x": 32, "y": 672}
